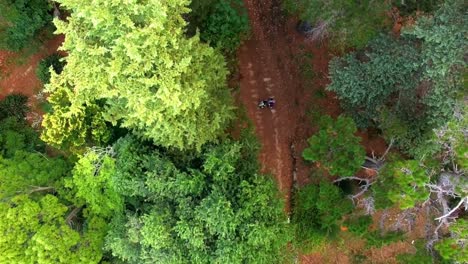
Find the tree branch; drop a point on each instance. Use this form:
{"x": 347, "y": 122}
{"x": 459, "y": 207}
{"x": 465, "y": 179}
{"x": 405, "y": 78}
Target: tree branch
{"x": 40, "y": 189}
{"x": 464, "y": 200}
{"x": 72, "y": 215}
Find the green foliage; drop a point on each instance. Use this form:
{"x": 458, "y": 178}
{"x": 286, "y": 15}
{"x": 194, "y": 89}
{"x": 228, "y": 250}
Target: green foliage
{"x": 349, "y": 23}
{"x": 93, "y": 181}
{"x": 317, "y": 212}
{"x": 359, "y": 225}
{"x": 17, "y": 135}
{"x": 35, "y": 227}
{"x": 409, "y": 7}
{"x": 455, "y": 247}
{"x": 24, "y": 170}
{"x": 72, "y": 126}
{"x": 377, "y": 239}
{"x": 43, "y": 68}
{"x": 20, "y": 21}
{"x": 406, "y": 86}
{"x": 36, "y": 232}
{"x": 336, "y": 147}
{"x": 402, "y": 183}
{"x": 137, "y": 65}
{"x": 421, "y": 256}
{"x": 226, "y": 26}
{"x": 200, "y": 10}
{"x": 366, "y": 81}
{"x": 208, "y": 209}
{"x": 14, "y": 105}
{"x": 443, "y": 37}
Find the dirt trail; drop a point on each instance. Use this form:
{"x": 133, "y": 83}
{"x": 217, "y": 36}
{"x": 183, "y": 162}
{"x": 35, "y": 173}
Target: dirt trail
{"x": 21, "y": 78}
{"x": 267, "y": 70}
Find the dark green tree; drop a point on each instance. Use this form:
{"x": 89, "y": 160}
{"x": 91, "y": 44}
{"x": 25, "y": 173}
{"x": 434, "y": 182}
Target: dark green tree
{"x": 226, "y": 26}
{"x": 21, "y": 20}
{"x": 347, "y": 23}
{"x": 406, "y": 86}
{"x": 336, "y": 147}
{"x": 318, "y": 210}
{"x": 209, "y": 209}
{"x": 53, "y": 61}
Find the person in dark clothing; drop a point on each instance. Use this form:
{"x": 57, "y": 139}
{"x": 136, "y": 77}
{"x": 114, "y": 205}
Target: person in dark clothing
{"x": 271, "y": 102}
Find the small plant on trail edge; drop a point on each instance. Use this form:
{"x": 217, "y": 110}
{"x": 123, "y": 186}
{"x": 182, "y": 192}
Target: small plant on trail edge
{"x": 336, "y": 147}
{"x": 14, "y": 105}
{"x": 42, "y": 70}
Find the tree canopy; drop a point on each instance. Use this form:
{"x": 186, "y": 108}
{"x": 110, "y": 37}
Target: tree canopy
{"x": 21, "y": 20}
{"x": 138, "y": 68}
{"x": 210, "y": 209}
{"x": 336, "y": 147}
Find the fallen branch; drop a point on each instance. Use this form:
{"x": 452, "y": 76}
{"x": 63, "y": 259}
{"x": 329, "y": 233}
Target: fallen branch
{"x": 73, "y": 213}
{"x": 464, "y": 200}
{"x": 40, "y": 189}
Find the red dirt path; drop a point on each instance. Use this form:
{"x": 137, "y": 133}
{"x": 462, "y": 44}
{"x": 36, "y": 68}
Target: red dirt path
{"x": 267, "y": 67}
{"x": 21, "y": 78}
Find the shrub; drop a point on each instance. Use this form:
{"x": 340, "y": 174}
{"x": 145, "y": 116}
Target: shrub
{"x": 359, "y": 225}
{"x": 21, "y": 20}
{"x": 226, "y": 26}
{"x": 42, "y": 70}
{"x": 336, "y": 147}
{"x": 14, "y": 105}
{"x": 317, "y": 212}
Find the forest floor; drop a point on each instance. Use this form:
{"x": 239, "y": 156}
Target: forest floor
{"x": 18, "y": 71}
{"x": 279, "y": 62}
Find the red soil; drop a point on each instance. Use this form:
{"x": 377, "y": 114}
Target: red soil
{"x": 15, "y": 78}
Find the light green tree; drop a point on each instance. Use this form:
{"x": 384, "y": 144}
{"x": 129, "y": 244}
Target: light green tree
{"x": 336, "y": 147}
{"x": 93, "y": 182}
{"x": 402, "y": 183}
{"x": 454, "y": 247}
{"x": 138, "y": 67}
{"x": 36, "y": 232}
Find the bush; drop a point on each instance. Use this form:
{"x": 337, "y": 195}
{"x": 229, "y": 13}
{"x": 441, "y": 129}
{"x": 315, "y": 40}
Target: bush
{"x": 336, "y": 147}
{"x": 14, "y": 105}
{"x": 409, "y": 7}
{"x": 317, "y": 212}
{"x": 21, "y": 20}
{"x": 420, "y": 257}
{"x": 455, "y": 248}
{"x": 347, "y": 23}
{"x": 226, "y": 26}
{"x": 359, "y": 225}
{"x": 376, "y": 239}
{"x": 42, "y": 70}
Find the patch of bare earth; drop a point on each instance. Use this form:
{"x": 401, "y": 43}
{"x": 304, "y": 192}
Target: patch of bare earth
{"x": 21, "y": 78}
